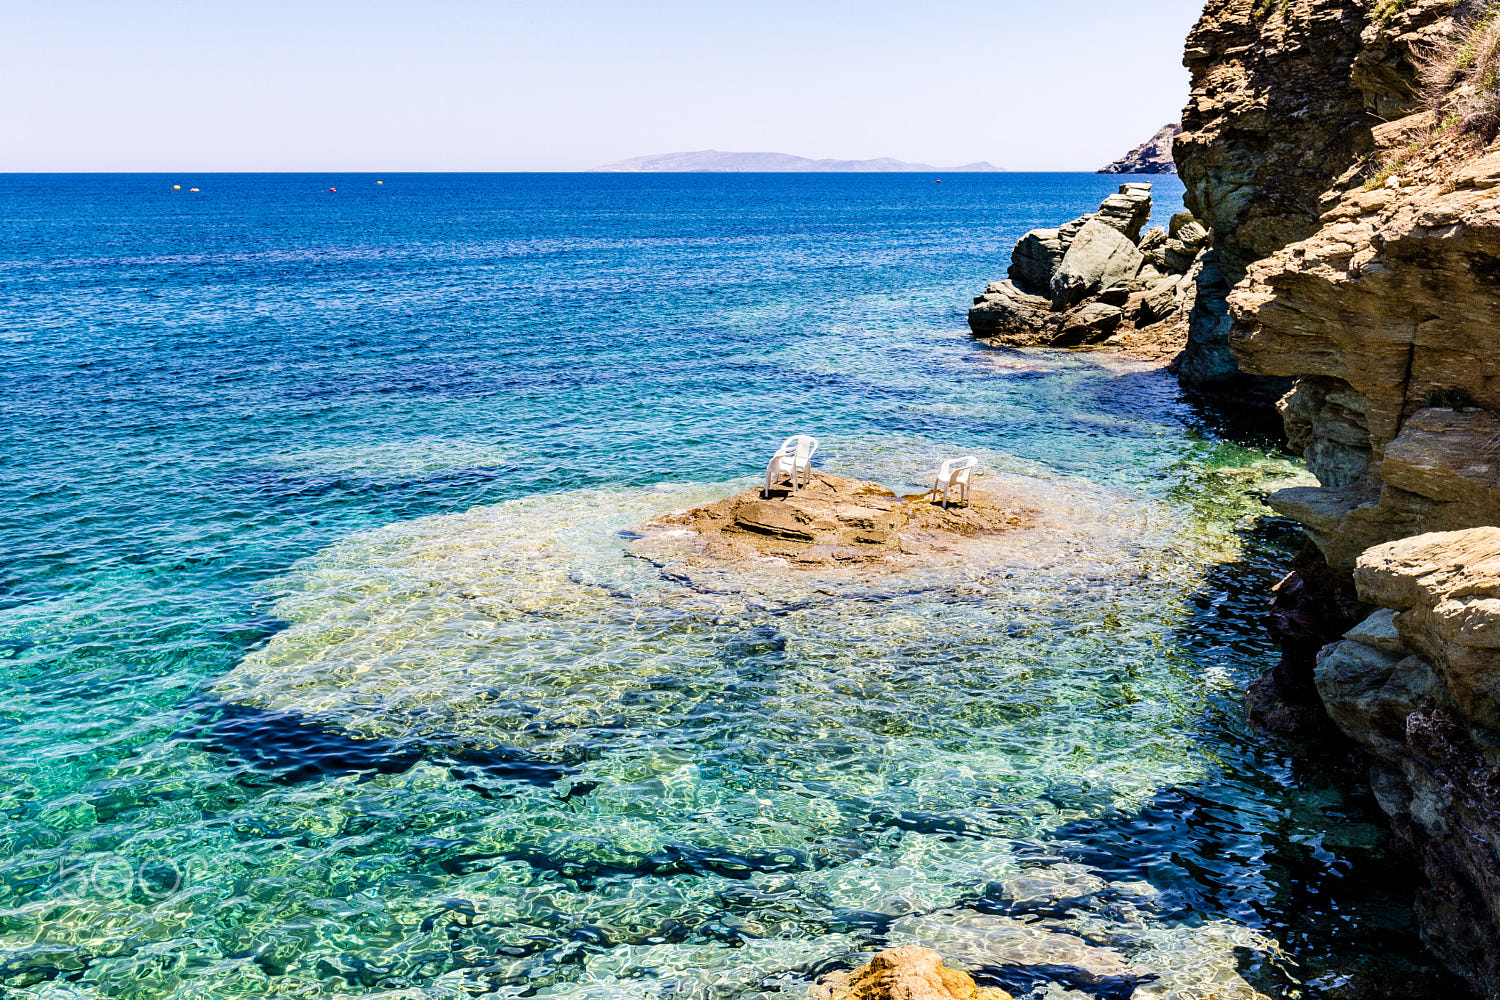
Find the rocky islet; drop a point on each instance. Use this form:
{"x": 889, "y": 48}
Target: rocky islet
{"x": 1098, "y": 281}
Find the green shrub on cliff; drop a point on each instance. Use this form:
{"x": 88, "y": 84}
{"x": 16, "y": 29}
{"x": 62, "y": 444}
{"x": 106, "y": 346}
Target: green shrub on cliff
{"x": 1387, "y": 9}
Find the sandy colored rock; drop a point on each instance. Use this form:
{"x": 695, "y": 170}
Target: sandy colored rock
{"x": 1284, "y": 100}
{"x": 909, "y": 973}
{"x": 849, "y": 538}
{"x": 1446, "y": 588}
{"x": 1388, "y": 318}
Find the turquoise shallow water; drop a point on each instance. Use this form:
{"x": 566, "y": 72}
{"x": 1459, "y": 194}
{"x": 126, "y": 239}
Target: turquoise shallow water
{"x": 326, "y": 673}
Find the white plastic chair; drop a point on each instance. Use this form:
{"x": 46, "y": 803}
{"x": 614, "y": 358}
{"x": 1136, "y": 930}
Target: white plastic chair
{"x": 793, "y": 461}
{"x": 954, "y": 473}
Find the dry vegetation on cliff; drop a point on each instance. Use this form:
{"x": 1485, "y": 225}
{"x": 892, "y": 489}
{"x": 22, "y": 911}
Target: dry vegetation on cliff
{"x": 1462, "y": 75}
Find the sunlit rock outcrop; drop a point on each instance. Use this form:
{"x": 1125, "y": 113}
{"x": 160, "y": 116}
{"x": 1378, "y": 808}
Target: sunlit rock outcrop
{"x": 1363, "y": 256}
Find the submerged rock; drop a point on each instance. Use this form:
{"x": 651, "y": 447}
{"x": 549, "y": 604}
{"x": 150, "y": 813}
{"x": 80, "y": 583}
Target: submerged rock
{"x": 909, "y": 973}
{"x": 1112, "y": 952}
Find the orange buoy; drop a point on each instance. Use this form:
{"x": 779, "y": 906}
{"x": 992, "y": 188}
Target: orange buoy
{"x": 176, "y": 187}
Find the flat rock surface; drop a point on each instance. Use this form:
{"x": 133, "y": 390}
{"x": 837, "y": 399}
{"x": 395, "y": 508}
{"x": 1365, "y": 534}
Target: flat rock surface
{"x": 836, "y": 521}
{"x": 849, "y": 538}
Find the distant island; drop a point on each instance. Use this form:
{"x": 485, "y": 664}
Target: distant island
{"x": 714, "y": 161}
{"x": 1154, "y": 156}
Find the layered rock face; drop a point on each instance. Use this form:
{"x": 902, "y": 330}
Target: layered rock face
{"x": 1417, "y": 686}
{"x": 1271, "y": 122}
{"x": 1390, "y": 318}
{"x": 1362, "y": 262}
{"x": 1097, "y": 280}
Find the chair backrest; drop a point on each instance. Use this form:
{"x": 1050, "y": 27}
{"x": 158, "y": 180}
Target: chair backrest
{"x": 806, "y": 448}
{"x": 801, "y": 446}
{"x": 958, "y": 468}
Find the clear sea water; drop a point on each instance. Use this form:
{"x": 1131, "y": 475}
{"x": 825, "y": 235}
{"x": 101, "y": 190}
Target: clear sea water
{"x": 326, "y": 672}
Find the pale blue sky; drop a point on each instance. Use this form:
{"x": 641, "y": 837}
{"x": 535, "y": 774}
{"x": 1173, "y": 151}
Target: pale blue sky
{"x": 569, "y": 84}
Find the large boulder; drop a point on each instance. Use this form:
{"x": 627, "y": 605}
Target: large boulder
{"x": 1100, "y": 256}
{"x": 1128, "y": 211}
{"x": 1034, "y": 259}
{"x": 1163, "y": 296}
{"x": 1088, "y": 324}
{"x": 1446, "y": 587}
{"x": 1008, "y": 316}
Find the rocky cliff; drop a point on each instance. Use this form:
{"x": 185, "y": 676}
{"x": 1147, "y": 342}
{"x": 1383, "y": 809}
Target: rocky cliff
{"x": 1354, "y": 196}
{"x": 1154, "y": 156}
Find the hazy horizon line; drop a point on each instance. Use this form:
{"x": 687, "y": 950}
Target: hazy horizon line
{"x": 593, "y": 171}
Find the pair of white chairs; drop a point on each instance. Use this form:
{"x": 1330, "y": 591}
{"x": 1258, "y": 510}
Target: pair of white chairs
{"x": 793, "y": 462}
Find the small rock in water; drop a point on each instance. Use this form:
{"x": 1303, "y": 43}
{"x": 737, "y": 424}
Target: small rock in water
{"x": 909, "y": 973}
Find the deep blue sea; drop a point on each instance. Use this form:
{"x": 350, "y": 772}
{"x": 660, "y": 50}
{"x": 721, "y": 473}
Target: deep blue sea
{"x": 326, "y": 671}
